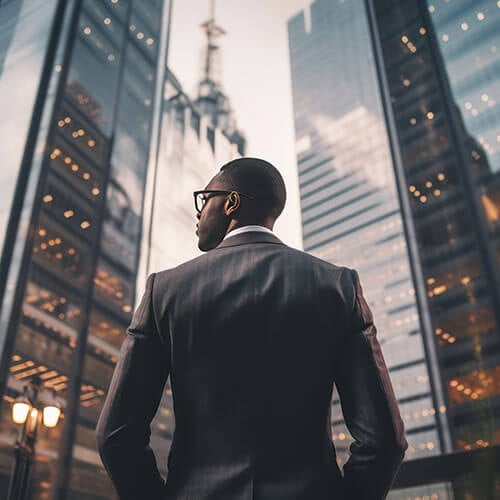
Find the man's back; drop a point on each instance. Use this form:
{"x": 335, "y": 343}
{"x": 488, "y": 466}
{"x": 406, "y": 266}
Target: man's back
{"x": 253, "y": 335}
{"x": 255, "y": 328}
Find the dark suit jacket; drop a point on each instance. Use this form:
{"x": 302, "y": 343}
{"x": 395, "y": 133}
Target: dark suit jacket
{"x": 253, "y": 335}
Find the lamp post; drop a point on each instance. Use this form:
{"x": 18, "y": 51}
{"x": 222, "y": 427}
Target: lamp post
{"x": 27, "y": 411}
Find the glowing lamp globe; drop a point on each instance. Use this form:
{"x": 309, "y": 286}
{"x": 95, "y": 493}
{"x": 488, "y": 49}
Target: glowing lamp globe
{"x": 51, "y": 416}
{"x": 20, "y": 410}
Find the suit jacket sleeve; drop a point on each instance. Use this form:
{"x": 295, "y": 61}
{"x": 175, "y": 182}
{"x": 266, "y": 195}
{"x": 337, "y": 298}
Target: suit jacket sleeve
{"x": 123, "y": 430}
{"x": 369, "y": 406}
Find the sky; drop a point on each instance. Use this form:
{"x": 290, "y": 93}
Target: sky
{"x": 255, "y": 76}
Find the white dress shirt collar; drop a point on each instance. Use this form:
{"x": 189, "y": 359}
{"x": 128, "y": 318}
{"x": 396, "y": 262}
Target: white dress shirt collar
{"x": 247, "y": 229}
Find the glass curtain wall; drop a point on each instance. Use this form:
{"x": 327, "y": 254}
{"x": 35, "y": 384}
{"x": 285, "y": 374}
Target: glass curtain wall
{"x": 442, "y": 185}
{"x": 349, "y": 202}
{"x": 82, "y": 272}
{"x": 24, "y": 33}
{"x": 442, "y": 68}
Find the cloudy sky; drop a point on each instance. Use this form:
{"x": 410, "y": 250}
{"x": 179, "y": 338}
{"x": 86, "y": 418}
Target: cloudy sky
{"x": 255, "y": 75}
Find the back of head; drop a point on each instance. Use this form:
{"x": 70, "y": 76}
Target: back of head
{"x": 259, "y": 180}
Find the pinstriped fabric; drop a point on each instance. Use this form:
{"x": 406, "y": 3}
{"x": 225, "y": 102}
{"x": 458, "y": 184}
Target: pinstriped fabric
{"x": 254, "y": 334}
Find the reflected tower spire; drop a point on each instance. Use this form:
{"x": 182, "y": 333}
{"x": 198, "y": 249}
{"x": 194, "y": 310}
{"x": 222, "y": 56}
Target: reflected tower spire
{"x": 211, "y": 99}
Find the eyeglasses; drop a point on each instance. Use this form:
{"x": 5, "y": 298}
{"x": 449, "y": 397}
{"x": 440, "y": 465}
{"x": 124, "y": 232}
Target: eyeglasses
{"x": 200, "y": 197}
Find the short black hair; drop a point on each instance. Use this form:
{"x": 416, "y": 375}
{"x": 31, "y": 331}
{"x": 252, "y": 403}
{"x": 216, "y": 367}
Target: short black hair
{"x": 257, "y": 178}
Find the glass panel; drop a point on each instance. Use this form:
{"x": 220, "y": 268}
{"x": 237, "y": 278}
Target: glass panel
{"x": 93, "y": 73}
{"x": 24, "y": 33}
{"x": 114, "y": 288}
{"x": 59, "y": 251}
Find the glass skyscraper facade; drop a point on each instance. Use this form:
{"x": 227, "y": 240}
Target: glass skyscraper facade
{"x": 426, "y": 73}
{"x": 78, "y": 170}
{"x": 349, "y": 202}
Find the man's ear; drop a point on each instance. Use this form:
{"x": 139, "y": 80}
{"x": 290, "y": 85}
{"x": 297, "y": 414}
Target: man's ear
{"x": 232, "y": 203}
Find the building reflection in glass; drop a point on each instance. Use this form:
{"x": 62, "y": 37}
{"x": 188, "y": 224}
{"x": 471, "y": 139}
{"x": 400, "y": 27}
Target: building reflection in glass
{"x": 437, "y": 68}
{"x": 451, "y": 185}
{"x": 350, "y": 208}
{"x": 82, "y": 268}
{"x": 25, "y": 28}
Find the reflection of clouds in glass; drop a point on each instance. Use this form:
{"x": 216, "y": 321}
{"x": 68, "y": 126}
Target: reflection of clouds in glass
{"x": 18, "y": 85}
{"x": 355, "y": 137}
{"x": 127, "y": 158}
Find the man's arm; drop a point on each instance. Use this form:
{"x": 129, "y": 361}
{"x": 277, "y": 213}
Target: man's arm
{"x": 123, "y": 430}
{"x": 369, "y": 406}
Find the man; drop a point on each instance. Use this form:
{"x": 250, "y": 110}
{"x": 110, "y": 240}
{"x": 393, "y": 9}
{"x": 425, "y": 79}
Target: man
{"x": 253, "y": 335}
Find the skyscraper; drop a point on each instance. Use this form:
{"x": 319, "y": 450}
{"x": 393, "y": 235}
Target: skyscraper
{"x": 82, "y": 87}
{"x": 395, "y": 181}
{"x": 191, "y": 152}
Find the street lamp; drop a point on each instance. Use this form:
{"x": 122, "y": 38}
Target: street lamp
{"x": 27, "y": 412}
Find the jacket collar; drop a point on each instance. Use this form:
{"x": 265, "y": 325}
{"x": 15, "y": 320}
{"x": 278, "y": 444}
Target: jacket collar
{"x": 249, "y": 237}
